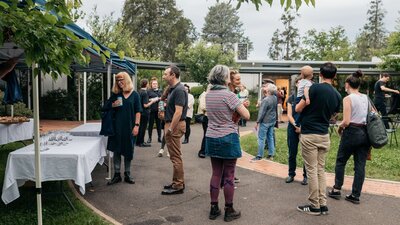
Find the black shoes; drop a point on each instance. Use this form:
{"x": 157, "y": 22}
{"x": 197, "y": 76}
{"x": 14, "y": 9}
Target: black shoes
{"x": 159, "y": 140}
{"x": 353, "y": 199}
{"x": 201, "y": 154}
{"x": 289, "y": 179}
{"x": 334, "y": 194}
{"x": 308, "y": 209}
{"x": 214, "y": 212}
{"x": 185, "y": 141}
{"x": 144, "y": 145}
{"x": 116, "y": 179}
{"x": 169, "y": 186}
{"x": 128, "y": 179}
{"x": 172, "y": 191}
{"x": 231, "y": 214}
{"x": 305, "y": 181}
{"x": 149, "y": 140}
{"x": 324, "y": 210}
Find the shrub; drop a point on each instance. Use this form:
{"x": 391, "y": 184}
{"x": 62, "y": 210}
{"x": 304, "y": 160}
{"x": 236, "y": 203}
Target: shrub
{"x": 196, "y": 91}
{"x": 20, "y": 108}
{"x": 58, "y": 104}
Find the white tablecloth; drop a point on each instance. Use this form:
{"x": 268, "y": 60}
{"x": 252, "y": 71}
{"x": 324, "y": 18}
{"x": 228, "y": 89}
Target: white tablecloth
{"x": 87, "y": 129}
{"x": 74, "y": 161}
{"x": 16, "y": 132}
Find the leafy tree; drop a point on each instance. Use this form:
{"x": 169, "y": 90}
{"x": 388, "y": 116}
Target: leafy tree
{"x": 222, "y": 26}
{"x": 392, "y": 52}
{"x": 111, "y": 33}
{"x": 286, "y": 3}
{"x": 158, "y": 27}
{"x": 275, "y": 47}
{"x": 333, "y": 45}
{"x": 42, "y": 35}
{"x": 201, "y": 58}
{"x": 372, "y": 38}
{"x": 285, "y": 44}
{"x": 290, "y": 35}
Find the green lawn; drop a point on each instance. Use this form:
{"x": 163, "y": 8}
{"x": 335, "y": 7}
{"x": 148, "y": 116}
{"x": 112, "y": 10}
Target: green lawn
{"x": 385, "y": 163}
{"x": 55, "y": 208}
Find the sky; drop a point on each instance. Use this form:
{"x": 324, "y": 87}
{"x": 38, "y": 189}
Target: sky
{"x": 260, "y": 25}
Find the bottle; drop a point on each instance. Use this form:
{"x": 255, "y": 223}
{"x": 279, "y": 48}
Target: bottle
{"x": 161, "y": 106}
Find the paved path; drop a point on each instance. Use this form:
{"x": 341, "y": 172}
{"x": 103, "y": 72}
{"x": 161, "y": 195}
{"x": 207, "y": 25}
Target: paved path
{"x": 262, "y": 198}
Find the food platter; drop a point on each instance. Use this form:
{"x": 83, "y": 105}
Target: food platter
{"x": 13, "y": 120}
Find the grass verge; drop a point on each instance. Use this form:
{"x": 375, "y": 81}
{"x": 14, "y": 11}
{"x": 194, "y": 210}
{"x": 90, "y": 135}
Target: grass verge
{"x": 385, "y": 163}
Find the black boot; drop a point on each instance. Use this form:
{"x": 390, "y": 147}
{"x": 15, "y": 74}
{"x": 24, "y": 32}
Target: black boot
{"x": 128, "y": 179}
{"x": 116, "y": 179}
{"x": 231, "y": 214}
{"x": 185, "y": 141}
{"x": 214, "y": 212}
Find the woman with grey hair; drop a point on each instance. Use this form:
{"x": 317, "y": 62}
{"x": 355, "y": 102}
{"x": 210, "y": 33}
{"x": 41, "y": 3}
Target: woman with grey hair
{"x": 222, "y": 139}
{"x": 266, "y": 122}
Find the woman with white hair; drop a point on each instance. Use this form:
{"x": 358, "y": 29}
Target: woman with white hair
{"x": 222, "y": 139}
{"x": 266, "y": 122}
{"x": 125, "y": 103}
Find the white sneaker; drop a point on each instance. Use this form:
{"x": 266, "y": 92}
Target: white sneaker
{"x": 160, "y": 153}
{"x": 167, "y": 154}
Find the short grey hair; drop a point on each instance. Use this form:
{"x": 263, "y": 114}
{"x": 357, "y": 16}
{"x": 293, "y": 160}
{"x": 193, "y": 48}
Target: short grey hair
{"x": 218, "y": 75}
{"x": 271, "y": 89}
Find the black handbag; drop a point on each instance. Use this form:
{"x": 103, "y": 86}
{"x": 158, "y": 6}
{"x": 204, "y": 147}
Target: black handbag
{"x": 376, "y": 129}
{"x": 107, "y": 120}
{"x": 199, "y": 118}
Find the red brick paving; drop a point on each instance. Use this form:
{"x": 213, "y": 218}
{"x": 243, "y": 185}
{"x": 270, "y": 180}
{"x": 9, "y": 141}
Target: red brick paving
{"x": 371, "y": 186}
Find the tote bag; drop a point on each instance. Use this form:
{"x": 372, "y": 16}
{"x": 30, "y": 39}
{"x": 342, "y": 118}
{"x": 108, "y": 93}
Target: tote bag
{"x": 376, "y": 128}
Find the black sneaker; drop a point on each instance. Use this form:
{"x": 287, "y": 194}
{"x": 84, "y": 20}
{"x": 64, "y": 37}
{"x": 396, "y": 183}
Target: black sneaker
{"x": 236, "y": 180}
{"x": 324, "y": 210}
{"x": 289, "y": 179}
{"x": 334, "y": 194}
{"x": 353, "y": 199}
{"x": 308, "y": 209}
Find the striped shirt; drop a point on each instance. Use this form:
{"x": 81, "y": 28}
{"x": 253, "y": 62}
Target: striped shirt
{"x": 220, "y": 105}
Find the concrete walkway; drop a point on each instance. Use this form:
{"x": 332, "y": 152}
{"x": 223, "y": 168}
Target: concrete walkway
{"x": 262, "y": 195}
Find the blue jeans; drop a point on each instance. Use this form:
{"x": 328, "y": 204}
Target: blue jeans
{"x": 266, "y": 130}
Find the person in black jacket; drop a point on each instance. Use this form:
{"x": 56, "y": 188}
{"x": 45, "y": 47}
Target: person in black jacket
{"x": 144, "y": 99}
{"x": 154, "y": 93}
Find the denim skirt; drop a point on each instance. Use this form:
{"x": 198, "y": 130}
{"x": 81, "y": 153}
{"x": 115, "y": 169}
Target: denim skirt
{"x": 226, "y": 147}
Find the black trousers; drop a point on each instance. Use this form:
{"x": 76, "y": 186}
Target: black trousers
{"x": 154, "y": 118}
{"x": 354, "y": 142}
{"x": 144, "y": 119}
{"x": 187, "y": 134}
{"x": 203, "y": 142}
{"x": 381, "y": 107}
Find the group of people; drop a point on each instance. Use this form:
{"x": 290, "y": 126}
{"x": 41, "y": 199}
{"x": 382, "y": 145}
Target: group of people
{"x": 309, "y": 112}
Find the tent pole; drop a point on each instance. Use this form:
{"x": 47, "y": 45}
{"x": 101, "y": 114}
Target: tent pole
{"x": 84, "y": 96}
{"x": 108, "y": 96}
{"x": 38, "y": 175}
{"x": 79, "y": 96}
{"x": 12, "y": 110}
